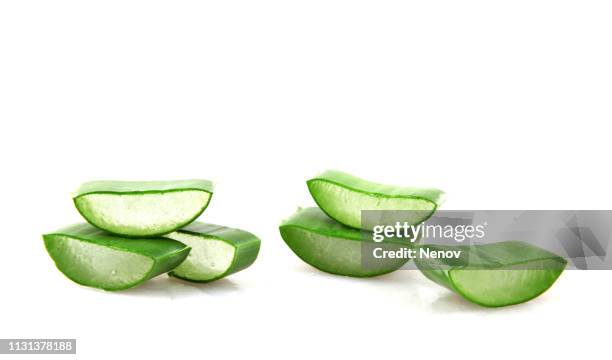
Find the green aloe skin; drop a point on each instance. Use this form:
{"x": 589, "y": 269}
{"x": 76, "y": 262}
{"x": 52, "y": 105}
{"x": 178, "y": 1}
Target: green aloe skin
{"x": 492, "y": 275}
{"x": 216, "y": 251}
{"x": 94, "y": 258}
{"x": 333, "y": 247}
{"x": 142, "y": 208}
{"x": 343, "y": 197}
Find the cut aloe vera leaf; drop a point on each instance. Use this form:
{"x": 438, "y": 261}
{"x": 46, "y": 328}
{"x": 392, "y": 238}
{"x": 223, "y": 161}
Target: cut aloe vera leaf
{"x": 499, "y": 274}
{"x": 343, "y": 197}
{"x": 140, "y": 209}
{"x": 95, "y": 258}
{"x": 334, "y": 248}
{"x": 216, "y": 251}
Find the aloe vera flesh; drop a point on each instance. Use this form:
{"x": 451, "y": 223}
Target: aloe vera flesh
{"x": 333, "y": 247}
{"x": 500, "y": 274}
{"x": 92, "y": 257}
{"x": 343, "y": 197}
{"x": 141, "y": 209}
{"x": 216, "y": 251}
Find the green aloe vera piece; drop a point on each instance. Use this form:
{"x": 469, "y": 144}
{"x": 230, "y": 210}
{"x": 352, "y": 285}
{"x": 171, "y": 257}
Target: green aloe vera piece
{"x": 142, "y": 208}
{"x": 335, "y": 248}
{"x": 95, "y": 258}
{"x": 343, "y": 197}
{"x": 499, "y": 274}
{"x": 216, "y": 251}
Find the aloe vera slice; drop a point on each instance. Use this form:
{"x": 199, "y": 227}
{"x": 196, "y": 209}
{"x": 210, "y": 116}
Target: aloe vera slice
{"x": 92, "y": 257}
{"x": 333, "y": 247}
{"x": 499, "y": 274}
{"x": 216, "y": 251}
{"x": 343, "y": 196}
{"x": 142, "y": 208}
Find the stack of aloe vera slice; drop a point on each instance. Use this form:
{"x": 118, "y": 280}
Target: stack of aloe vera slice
{"x": 138, "y": 230}
{"x": 331, "y": 237}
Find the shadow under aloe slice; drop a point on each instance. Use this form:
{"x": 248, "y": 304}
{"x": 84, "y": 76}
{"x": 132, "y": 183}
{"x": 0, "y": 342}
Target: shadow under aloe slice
{"x": 335, "y": 248}
{"x": 216, "y": 251}
{"x": 142, "y": 208}
{"x": 499, "y": 274}
{"x": 343, "y": 197}
{"x": 95, "y": 258}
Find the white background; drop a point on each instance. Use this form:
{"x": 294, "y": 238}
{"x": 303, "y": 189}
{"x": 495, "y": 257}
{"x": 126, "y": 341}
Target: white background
{"x": 503, "y": 104}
